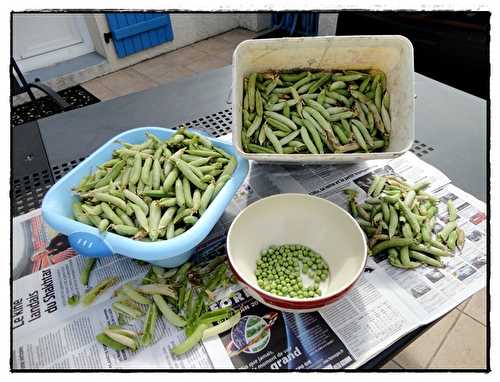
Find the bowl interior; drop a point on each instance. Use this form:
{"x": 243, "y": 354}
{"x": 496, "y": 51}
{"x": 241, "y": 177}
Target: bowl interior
{"x": 298, "y": 219}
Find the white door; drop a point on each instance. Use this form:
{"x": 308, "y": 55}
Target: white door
{"x": 44, "y": 39}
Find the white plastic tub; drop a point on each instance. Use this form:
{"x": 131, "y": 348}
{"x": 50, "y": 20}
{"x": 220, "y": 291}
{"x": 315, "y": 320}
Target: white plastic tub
{"x": 391, "y": 54}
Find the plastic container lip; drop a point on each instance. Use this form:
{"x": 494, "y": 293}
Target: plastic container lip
{"x": 265, "y": 46}
{"x": 148, "y": 251}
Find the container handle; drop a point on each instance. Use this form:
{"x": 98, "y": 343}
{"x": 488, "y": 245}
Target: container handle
{"x": 89, "y": 244}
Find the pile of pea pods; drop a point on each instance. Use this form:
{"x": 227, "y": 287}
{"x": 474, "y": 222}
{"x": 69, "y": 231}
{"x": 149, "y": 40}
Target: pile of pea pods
{"x": 400, "y": 219}
{"x": 155, "y": 190}
{"x": 316, "y": 112}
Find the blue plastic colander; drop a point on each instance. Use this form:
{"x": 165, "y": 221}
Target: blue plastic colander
{"x": 88, "y": 241}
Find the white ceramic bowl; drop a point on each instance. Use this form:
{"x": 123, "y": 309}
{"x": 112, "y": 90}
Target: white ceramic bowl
{"x": 297, "y": 219}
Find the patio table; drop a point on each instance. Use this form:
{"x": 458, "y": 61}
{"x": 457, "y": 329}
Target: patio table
{"x": 451, "y": 128}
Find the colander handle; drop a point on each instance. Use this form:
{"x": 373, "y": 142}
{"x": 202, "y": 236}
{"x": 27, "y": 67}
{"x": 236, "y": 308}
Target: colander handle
{"x": 89, "y": 244}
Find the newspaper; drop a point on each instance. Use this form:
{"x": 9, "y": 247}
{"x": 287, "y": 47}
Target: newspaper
{"x": 385, "y": 304}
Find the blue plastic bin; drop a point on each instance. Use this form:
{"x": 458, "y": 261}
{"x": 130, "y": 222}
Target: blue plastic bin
{"x": 88, "y": 241}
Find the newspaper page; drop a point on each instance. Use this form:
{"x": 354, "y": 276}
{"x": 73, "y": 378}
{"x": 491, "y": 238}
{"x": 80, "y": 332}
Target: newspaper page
{"x": 384, "y": 305}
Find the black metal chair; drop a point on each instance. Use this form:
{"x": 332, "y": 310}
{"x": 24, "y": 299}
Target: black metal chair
{"x": 19, "y": 85}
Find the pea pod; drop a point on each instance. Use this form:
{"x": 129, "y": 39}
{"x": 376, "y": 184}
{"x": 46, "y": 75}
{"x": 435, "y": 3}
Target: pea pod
{"x": 447, "y": 229}
{"x": 156, "y": 175}
{"x": 103, "y": 225}
{"x": 223, "y": 179}
{"x": 452, "y": 240}
{"x": 307, "y": 140}
{"x": 136, "y": 200}
{"x": 313, "y": 132}
{"x": 146, "y": 168}
{"x": 149, "y": 325}
{"x": 274, "y": 140}
{"x": 99, "y": 289}
{"x": 110, "y": 214}
{"x": 125, "y": 230}
{"x": 395, "y": 242}
{"x": 187, "y": 171}
{"x": 79, "y": 214}
{"x": 206, "y": 197}
{"x": 141, "y": 217}
{"x": 111, "y": 175}
{"x": 154, "y": 220}
{"x": 251, "y": 91}
{"x": 426, "y": 259}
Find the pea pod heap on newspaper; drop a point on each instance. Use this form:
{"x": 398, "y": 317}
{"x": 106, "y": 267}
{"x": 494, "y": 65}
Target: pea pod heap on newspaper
{"x": 316, "y": 113}
{"x": 181, "y": 295}
{"x": 399, "y": 218}
{"x": 156, "y": 189}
